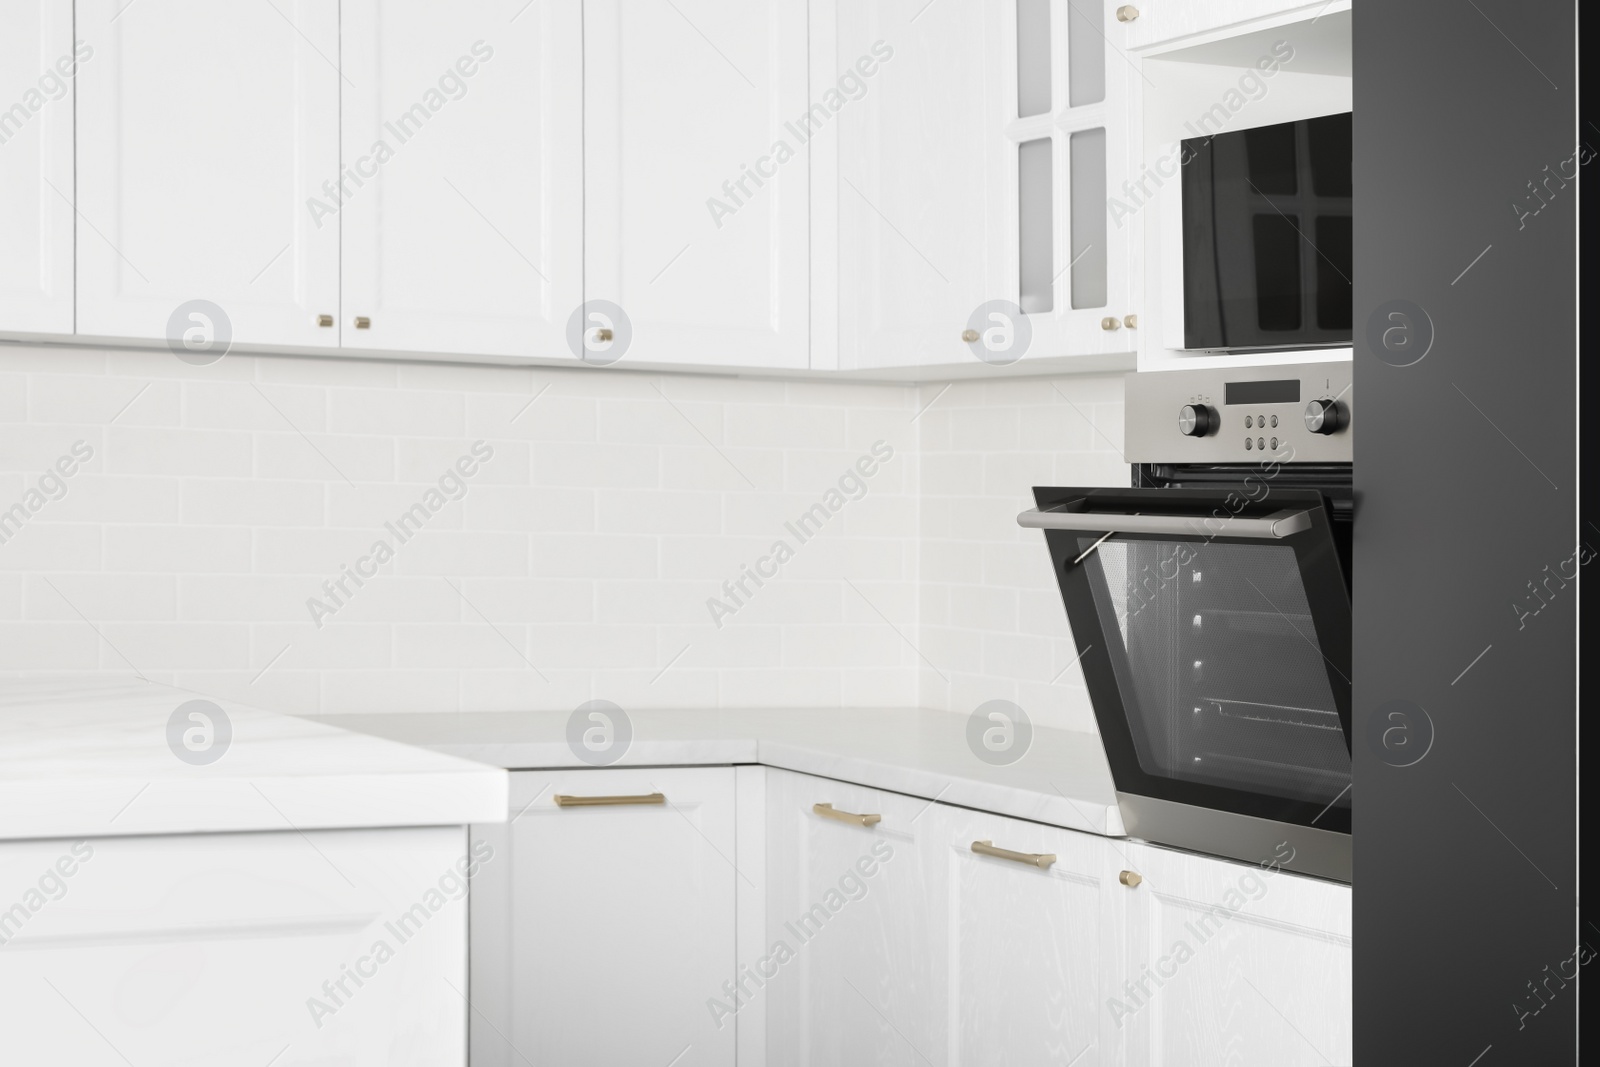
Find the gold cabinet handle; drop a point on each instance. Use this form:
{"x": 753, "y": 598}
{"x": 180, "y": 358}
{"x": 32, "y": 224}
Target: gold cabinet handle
{"x": 603, "y": 334}
{"x": 1110, "y": 323}
{"x": 1127, "y": 13}
{"x": 363, "y": 323}
{"x": 1131, "y": 321}
{"x": 324, "y": 320}
{"x": 1131, "y": 879}
{"x": 1041, "y": 860}
{"x": 565, "y": 801}
{"x": 828, "y": 811}
{"x": 969, "y": 336}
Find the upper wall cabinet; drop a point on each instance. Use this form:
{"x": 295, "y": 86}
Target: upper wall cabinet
{"x": 462, "y": 176}
{"x": 696, "y": 185}
{"x": 38, "y": 61}
{"x": 972, "y": 179}
{"x": 201, "y": 128}
{"x": 918, "y": 197}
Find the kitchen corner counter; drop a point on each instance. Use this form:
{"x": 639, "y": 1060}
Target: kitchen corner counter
{"x": 1062, "y": 780}
{"x": 92, "y": 759}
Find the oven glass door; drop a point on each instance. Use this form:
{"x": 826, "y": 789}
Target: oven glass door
{"x": 1214, "y": 633}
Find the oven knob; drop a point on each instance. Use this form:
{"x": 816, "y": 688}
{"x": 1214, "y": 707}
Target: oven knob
{"x": 1195, "y": 420}
{"x": 1324, "y": 416}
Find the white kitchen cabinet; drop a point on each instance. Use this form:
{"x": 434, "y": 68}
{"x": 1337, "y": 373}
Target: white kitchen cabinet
{"x": 695, "y": 220}
{"x": 1153, "y": 25}
{"x": 338, "y": 946}
{"x": 1234, "y": 963}
{"x": 600, "y": 933}
{"x": 203, "y": 131}
{"x": 1076, "y": 142}
{"x": 975, "y": 168}
{"x": 1034, "y": 951}
{"x": 462, "y": 148}
{"x": 917, "y": 200}
{"x": 38, "y": 62}
{"x": 860, "y": 911}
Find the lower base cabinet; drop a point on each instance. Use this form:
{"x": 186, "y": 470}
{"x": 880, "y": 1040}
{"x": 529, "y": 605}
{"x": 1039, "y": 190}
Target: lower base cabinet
{"x": 698, "y": 916}
{"x": 307, "y": 949}
{"x": 606, "y": 922}
{"x": 856, "y": 910}
{"x": 1233, "y": 963}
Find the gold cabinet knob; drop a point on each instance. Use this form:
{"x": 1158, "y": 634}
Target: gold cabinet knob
{"x": 324, "y": 320}
{"x": 1127, "y": 13}
{"x": 969, "y": 336}
{"x": 1110, "y": 323}
{"x": 1131, "y": 879}
{"x": 1131, "y": 321}
{"x": 603, "y": 334}
{"x": 363, "y": 323}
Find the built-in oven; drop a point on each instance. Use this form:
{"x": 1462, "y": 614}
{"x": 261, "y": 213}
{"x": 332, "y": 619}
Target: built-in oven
{"x": 1210, "y": 603}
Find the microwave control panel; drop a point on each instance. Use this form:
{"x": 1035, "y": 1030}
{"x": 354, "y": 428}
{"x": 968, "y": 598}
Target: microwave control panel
{"x": 1295, "y": 413}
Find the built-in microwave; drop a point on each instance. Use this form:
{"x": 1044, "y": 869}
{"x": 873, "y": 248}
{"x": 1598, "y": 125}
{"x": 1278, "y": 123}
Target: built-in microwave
{"x": 1266, "y": 237}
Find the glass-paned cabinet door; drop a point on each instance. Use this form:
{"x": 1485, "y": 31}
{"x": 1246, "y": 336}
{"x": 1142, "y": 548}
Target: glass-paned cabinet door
{"x": 1072, "y": 136}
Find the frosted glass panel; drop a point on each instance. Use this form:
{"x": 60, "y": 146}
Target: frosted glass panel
{"x": 1087, "y": 149}
{"x": 1086, "y": 52}
{"x": 1035, "y": 191}
{"x": 1033, "y": 57}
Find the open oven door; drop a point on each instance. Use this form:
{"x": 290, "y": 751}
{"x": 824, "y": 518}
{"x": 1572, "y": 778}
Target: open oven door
{"x": 1214, "y": 633}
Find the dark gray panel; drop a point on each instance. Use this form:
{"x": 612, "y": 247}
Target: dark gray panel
{"x": 1466, "y": 483}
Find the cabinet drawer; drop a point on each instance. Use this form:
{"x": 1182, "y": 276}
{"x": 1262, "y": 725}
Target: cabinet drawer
{"x": 611, "y": 921}
{"x": 224, "y": 948}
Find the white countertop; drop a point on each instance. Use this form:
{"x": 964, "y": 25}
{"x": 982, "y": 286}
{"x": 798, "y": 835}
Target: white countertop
{"x": 1062, "y": 779}
{"x": 92, "y": 759}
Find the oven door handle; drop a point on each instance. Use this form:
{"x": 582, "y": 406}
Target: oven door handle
{"x": 1278, "y": 524}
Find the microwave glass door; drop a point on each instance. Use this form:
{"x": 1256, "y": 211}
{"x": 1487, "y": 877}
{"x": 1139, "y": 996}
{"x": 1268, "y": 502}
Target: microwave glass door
{"x": 1214, "y": 633}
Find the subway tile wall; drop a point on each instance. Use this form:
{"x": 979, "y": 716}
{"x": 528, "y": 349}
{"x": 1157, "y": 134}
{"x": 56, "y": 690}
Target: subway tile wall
{"x": 321, "y": 535}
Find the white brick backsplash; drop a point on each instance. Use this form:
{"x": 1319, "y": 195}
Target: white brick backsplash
{"x": 657, "y": 512}
{"x": 404, "y": 414}
{"x": 101, "y": 597}
{"x": 223, "y": 497}
{"x": 80, "y": 398}
{"x": 157, "y": 646}
{"x": 254, "y": 502}
{"x": 590, "y": 465}
{"x": 44, "y": 646}
{"x": 101, "y": 498}
{"x": 52, "y": 547}
{"x": 321, "y": 457}
{"x": 213, "y": 453}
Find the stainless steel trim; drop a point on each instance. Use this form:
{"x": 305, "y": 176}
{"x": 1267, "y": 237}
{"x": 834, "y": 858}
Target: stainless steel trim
{"x": 1294, "y": 848}
{"x": 1278, "y": 524}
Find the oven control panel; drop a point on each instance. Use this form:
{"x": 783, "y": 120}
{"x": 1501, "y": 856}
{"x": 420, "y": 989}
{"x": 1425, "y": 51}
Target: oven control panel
{"x": 1295, "y": 413}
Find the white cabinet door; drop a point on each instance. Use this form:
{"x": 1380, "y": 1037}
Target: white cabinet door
{"x": 1034, "y": 951}
{"x": 920, "y": 188}
{"x": 463, "y": 156}
{"x": 1233, "y": 963}
{"x": 607, "y": 929}
{"x": 1073, "y": 122}
{"x": 38, "y": 62}
{"x": 205, "y": 127}
{"x": 695, "y": 178}
{"x": 338, "y": 946}
{"x": 856, "y": 927}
